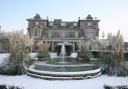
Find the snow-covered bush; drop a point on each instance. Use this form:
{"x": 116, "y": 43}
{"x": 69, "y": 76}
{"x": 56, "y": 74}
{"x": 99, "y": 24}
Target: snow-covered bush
{"x": 10, "y": 87}
{"x": 84, "y": 56}
{"x": 116, "y": 87}
{"x": 28, "y": 62}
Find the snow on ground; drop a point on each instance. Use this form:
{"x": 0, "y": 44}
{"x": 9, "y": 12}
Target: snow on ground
{"x": 34, "y": 83}
{"x": 74, "y": 55}
{"x": 3, "y": 56}
{"x": 53, "y": 55}
{"x": 33, "y": 54}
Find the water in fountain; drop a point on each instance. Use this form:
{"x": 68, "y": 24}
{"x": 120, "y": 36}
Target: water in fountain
{"x": 63, "y": 52}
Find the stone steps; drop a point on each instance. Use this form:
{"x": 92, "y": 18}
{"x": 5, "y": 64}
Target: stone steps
{"x": 52, "y": 76}
{"x": 61, "y": 78}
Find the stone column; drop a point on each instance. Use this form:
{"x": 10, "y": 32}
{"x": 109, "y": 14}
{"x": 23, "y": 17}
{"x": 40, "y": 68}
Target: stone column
{"x": 52, "y": 46}
{"x": 40, "y": 33}
{"x": 79, "y": 46}
{"x": 73, "y": 47}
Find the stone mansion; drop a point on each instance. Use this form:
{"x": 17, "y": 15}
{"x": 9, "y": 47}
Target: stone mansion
{"x": 54, "y": 32}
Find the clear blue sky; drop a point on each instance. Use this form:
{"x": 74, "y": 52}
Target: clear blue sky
{"x": 112, "y": 13}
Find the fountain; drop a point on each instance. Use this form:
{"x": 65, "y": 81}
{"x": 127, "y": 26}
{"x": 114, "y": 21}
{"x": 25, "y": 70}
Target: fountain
{"x": 64, "y": 67}
{"x": 63, "y": 52}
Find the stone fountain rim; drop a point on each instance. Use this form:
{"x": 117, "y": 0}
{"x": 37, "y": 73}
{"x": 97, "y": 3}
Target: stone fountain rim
{"x": 31, "y": 68}
{"x": 64, "y": 43}
{"x": 65, "y": 65}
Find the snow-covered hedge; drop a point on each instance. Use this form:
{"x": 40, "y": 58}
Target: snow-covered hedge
{"x": 116, "y": 87}
{"x": 10, "y": 87}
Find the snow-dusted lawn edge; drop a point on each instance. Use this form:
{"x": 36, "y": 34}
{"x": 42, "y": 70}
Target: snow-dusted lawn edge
{"x": 34, "y": 83}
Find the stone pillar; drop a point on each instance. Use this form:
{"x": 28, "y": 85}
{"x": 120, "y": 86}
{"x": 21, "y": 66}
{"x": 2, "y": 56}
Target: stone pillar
{"x": 40, "y": 33}
{"x": 51, "y": 46}
{"x": 73, "y": 47}
{"x": 54, "y": 46}
{"x": 79, "y": 46}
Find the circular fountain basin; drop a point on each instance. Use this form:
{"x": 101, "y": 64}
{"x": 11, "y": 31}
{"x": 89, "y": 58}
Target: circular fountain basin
{"x": 63, "y": 66}
{"x": 64, "y": 70}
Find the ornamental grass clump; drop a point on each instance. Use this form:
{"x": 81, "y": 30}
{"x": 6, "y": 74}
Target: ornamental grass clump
{"x": 43, "y": 50}
{"x": 20, "y": 45}
{"x": 115, "y": 58}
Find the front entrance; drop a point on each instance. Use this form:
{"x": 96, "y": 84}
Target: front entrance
{"x": 70, "y": 46}
{"x": 66, "y": 46}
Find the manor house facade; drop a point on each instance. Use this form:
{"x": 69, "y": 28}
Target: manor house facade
{"x": 54, "y": 32}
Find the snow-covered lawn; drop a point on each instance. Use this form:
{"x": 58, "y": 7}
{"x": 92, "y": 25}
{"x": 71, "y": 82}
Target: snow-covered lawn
{"x": 34, "y": 83}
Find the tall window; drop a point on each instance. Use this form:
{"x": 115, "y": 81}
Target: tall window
{"x": 63, "y": 34}
{"x": 76, "y": 34}
{"x": 36, "y": 32}
{"x": 90, "y": 33}
{"x": 49, "y": 34}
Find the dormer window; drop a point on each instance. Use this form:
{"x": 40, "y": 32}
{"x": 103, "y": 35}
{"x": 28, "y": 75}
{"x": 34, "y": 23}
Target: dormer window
{"x": 75, "y": 24}
{"x": 51, "y": 23}
{"x": 37, "y": 23}
{"x": 89, "y": 24}
{"x": 63, "y": 24}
